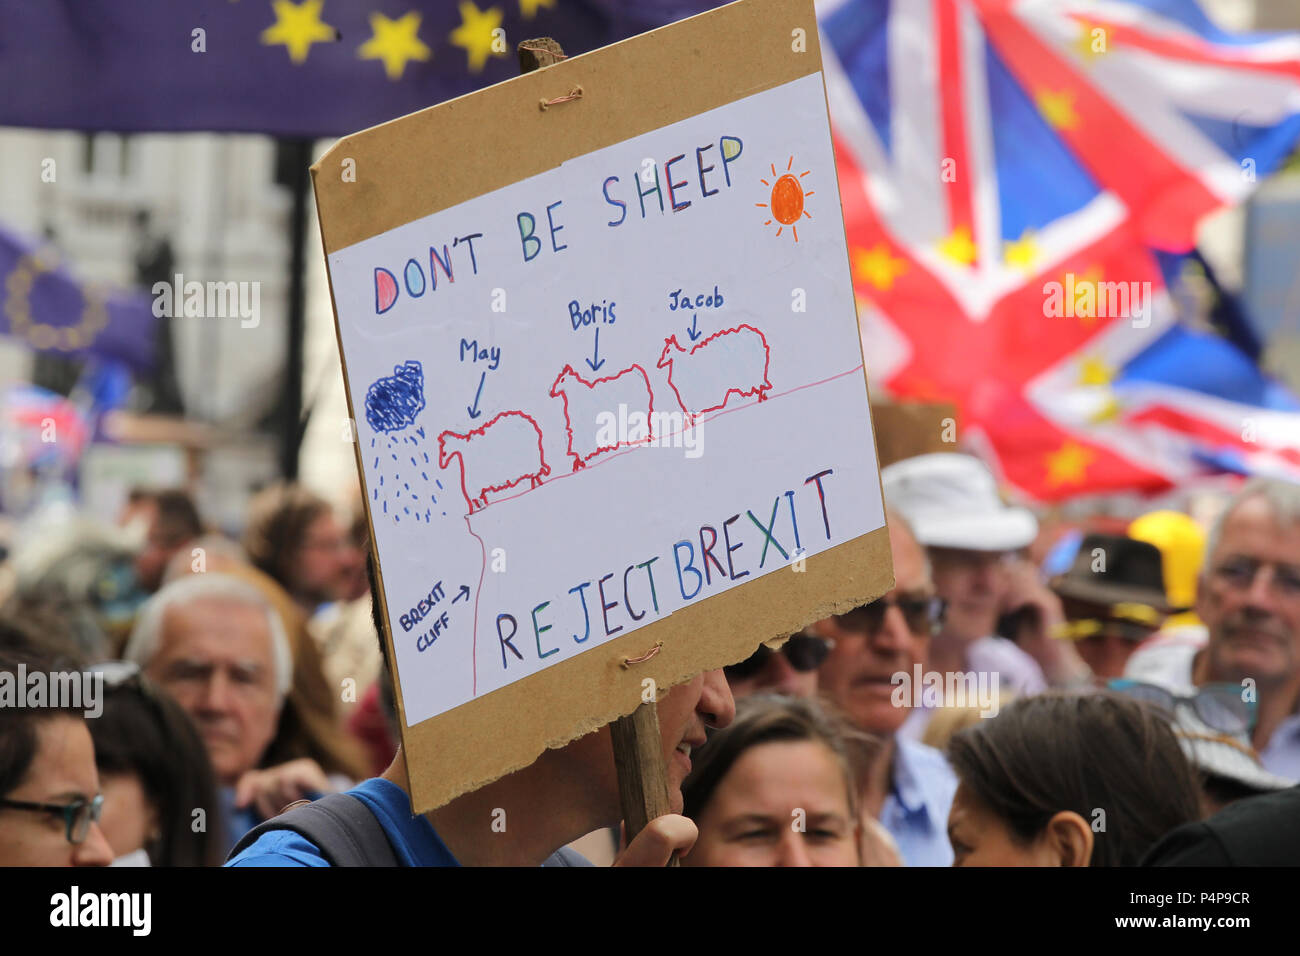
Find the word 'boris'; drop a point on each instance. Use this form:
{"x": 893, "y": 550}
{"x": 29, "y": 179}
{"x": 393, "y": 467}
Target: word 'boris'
{"x": 607, "y": 604}
{"x": 593, "y": 314}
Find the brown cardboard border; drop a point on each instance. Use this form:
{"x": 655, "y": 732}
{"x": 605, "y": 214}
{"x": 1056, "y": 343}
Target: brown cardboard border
{"x": 629, "y": 88}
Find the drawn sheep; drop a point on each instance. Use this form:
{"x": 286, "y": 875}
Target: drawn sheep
{"x": 730, "y": 362}
{"x": 624, "y": 394}
{"x": 495, "y": 456}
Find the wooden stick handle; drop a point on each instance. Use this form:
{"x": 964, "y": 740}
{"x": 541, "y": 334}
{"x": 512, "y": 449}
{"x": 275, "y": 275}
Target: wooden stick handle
{"x": 642, "y": 777}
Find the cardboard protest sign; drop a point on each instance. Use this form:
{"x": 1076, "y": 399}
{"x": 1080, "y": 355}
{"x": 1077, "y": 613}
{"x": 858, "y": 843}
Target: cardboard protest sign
{"x": 601, "y": 351}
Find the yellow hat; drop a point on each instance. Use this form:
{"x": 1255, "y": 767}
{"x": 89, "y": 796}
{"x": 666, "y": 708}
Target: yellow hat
{"x": 1182, "y": 548}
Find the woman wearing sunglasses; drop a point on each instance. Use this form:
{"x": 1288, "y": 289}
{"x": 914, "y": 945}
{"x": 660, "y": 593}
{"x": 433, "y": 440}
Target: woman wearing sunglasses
{"x": 792, "y": 670}
{"x": 49, "y": 788}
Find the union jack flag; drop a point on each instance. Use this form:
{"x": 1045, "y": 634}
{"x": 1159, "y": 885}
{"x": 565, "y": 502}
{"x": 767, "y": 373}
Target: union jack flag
{"x": 1021, "y": 180}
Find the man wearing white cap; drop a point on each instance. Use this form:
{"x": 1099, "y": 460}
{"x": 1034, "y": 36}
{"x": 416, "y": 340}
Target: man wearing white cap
{"x": 952, "y": 504}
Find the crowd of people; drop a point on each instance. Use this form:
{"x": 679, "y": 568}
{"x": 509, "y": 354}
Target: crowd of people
{"x": 1104, "y": 696}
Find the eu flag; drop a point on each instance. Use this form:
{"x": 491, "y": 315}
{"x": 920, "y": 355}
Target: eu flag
{"x": 45, "y": 306}
{"x": 287, "y": 67}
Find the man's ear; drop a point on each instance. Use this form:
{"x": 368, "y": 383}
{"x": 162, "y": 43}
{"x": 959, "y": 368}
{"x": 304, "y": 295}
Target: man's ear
{"x": 1068, "y": 839}
{"x": 1202, "y": 590}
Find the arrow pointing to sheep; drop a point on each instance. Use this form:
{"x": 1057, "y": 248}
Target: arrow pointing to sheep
{"x": 473, "y": 409}
{"x": 596, "y": 361}
{"x": 692, "y": 331}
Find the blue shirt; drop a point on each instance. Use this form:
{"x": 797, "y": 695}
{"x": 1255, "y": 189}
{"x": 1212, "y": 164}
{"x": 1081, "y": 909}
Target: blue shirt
{"x": 1281, "y": 755}
{"x": 916, "y": 810}
{"x": 414, "y": 840}
{"x": 235, "y": 823}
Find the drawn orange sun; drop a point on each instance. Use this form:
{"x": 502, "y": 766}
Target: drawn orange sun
{"x": 786, "y": 200}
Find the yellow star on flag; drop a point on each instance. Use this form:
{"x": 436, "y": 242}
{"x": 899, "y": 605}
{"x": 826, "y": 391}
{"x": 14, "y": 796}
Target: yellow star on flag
{"x": 395, "y": 42}
{"x": 475, "y": 34}
{"x": 1067, "y": 465}
{"x": 1084, "y": 309}
{"x": 1022, "y": 253}
{"x": 958, "y": 246}
{"x": 298, "y": 26}
{"x": 1108, "y": 412}
{"x": 1057, "y": 108}
{"x": 1093, "y": 370}
{"x": 529, "y": 7}
{"x": 878, "y": 267}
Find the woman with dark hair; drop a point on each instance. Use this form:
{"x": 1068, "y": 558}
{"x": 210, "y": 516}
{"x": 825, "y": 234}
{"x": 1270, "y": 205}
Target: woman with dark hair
{"x": 1067, "y": 780}
{"x": 50, "y": 802}
{"x": 155, "y": 775}
{"x": 775, "y": 788}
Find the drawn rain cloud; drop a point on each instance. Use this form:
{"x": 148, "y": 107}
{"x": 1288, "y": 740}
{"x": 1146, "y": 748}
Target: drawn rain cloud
{"x": 399, "y": 461}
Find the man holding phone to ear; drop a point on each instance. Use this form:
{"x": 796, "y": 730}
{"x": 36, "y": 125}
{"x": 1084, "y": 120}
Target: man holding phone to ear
{"x": 972, "y": 542}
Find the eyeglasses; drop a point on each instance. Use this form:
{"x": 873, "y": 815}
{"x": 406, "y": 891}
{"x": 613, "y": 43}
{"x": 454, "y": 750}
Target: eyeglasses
{"x": 1220, "y": 706}
{"x": 804, "y": 652}
{"x": 1240, "y": 572}
{"x": 922, "y": 614}
{"x": 77, "y": 815}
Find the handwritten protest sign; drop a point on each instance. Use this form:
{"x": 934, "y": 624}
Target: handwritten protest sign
{"x": 600, "y": 345}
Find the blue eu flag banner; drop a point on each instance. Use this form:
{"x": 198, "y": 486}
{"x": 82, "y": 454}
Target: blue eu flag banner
{"x": 43, "y": 305}
{"x": 286, "y": 67}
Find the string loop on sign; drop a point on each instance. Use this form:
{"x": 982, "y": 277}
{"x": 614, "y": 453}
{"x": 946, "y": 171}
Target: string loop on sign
{"x": 629, "y": 661}
{"x": 537, "y": 48}
{"x": 573, "y": 94}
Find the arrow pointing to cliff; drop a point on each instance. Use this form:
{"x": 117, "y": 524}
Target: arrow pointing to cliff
{"x": 596, "y": 361}
{"x": 464, "y": 592}
{"x": 473, "y": 409}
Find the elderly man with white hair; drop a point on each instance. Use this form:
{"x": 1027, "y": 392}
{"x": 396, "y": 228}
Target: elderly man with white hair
{"x": 217, "y": 645}
{"x": 1249, "y": 598}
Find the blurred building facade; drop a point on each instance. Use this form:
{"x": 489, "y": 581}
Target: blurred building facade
{"x": 214, "y": 199}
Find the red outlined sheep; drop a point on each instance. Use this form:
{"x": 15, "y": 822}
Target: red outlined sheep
{"x": 495, "y": 456}
{"x": 730, "y": 362}
{"x": 623, "y": 395}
